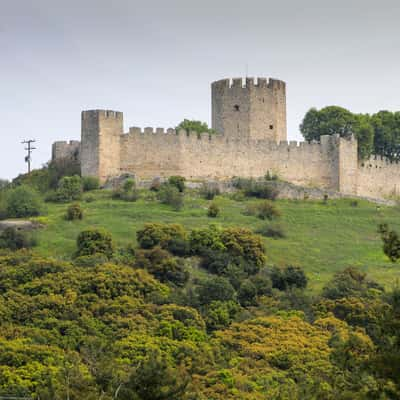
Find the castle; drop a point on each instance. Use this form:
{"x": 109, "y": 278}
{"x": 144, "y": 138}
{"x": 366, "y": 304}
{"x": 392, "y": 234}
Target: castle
{"x": 249, "y": 118}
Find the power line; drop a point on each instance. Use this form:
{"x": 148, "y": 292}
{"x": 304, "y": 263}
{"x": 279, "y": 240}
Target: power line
{"x": 28, "y": 158}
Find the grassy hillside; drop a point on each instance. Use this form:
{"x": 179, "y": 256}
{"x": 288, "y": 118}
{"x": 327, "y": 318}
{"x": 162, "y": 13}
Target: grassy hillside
{"x": 321, "y": 238}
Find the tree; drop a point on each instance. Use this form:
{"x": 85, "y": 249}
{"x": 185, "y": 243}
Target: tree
{"x": 215, "y": 289}
{"x": 391, "y": 242}
{"x": 94, "y": 241}
{"x": 69, "y": 189}
{"x": 23, "y": 202}
{"x": 328, "y": 121}
{"x": 289, "y": 277}
{"x": 349, "y": 282}
{"x": 155, "y": 378}
{"x": 337, "y": 120}
{"x": 196, "y": 126}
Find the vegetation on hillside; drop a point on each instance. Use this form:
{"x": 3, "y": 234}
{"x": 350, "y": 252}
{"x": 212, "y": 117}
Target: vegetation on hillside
{"x": 135, "y": 296}
{"x": 377, "y": 133}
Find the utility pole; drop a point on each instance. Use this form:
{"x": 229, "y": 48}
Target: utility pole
{"x": 29, "y": 149}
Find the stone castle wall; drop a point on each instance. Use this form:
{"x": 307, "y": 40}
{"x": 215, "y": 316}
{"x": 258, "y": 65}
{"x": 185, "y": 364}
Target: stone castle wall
{"x": 249, "y": 117}
{"x": 66, "y": 150}
{"x": 378, "y": 177}
{"x": 249, "y": 109}
{"x": 152, "y": 153}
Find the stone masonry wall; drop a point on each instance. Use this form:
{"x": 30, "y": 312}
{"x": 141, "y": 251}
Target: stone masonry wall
{"x": 69, "y": 150}
{"x": 250, "y": 109}
{"x": 379, "y": 178}
{"x": 162, "y": 153}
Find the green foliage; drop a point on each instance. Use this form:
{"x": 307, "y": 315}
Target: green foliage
{"x": 347, "y": 283}
{"x": 208, "y": 238}
{"x": 376, "y": 134}
{"x": 128, "y": 191}
{"x": 14, "y": 239}
{"x": 247, "y": 293}
{"x": 178, "y": 182}
{"x": 273, "y": 230}
{"x": 171, "y": 237}
{"x": 169, "y": 194}
{"x": 90, "y": 183}
{"x": 209, "y": 190}
{"x": 162, "y": 266}
{"x": 262, "y": 189}
{"x": 74, "y": 212}
{"x": 264, "y": 210}
{"x": 194, "y": 126}
{"x": 288, "y": 277}
{"x": 69, "y": 189}
{"x": 213, "y": 210}
{"x": 220, "y": 314}
{"x": 215, "y": 289}
{"x": 94, "y": 241}
{"x": 391, "y": 242}
{"x": 23, "y": 202}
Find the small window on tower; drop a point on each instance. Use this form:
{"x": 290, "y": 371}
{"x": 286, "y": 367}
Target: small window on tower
{"x": 236, "y": 107}
{"x": 271, "y": 127}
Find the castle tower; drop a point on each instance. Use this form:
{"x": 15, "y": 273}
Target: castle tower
{"x": 100, "y": 146}
{"x": 256, "y": 110}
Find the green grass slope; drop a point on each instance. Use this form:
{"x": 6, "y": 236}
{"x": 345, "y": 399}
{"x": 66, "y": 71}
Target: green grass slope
{"x": 321, "y": 238}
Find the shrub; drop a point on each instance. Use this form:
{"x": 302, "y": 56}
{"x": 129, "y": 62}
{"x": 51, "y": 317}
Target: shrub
{"x": 170, "y": 195}
{"x": 213, "y": 210}
{"x": 241, "y": 242}
{"x": 90, "y": 183}
{"x": 94, "y": 241}
{"x": 164, "y": 267}
{"x": 128, "y": 192}
{"x": 209, "y": 190}
{"x": 178, "y": 182}
{"x": 347, "y": 283}
{"x": 289, "y": 277}
{"x": 13, "y": 239}
{"x": 74, "y": 212}
{"x": 263, "y": 210}
{"x": 247, "y": 293}
{"x": 254, "y": 188}
{"x": 69, "y": 189}
{"x": 167, "y": 236}
{"x": 215, "y": 289}
{"x": 91, "y": 260}
{"x": 23, "y": 202}
{"x": 206, "y": 238}
{"x": 391, "y": 242}
{"x": 274, "y": 231}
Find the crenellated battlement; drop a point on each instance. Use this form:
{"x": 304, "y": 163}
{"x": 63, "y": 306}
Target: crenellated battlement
{"x": 108, "y": 114}
{"x": 249, "y": 83}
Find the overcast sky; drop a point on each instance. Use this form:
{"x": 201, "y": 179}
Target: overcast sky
{"x": 155, "y": 60}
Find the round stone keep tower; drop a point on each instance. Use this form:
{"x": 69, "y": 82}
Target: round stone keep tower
{"x": 251, "y": 109}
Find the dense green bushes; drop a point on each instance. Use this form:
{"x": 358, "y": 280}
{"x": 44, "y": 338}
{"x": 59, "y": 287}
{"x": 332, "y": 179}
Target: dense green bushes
{"x": 13, "y": 239}
{"x": 74, "y": 212}
{"x": 261, "y": 189}
{"x": 23, "y": 202}
{"x": 90, "y": 183}
{"x": 170, "y": 195}
{"x": 94, "y": 241}
{"x": 128, "y": 191}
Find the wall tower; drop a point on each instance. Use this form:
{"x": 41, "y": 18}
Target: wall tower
{"x": 253, "y": 110}
{"x": 100, "y": 146}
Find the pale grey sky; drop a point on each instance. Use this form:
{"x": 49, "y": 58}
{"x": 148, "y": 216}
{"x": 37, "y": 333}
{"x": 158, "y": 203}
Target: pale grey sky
{"x": 155, "y": 60}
